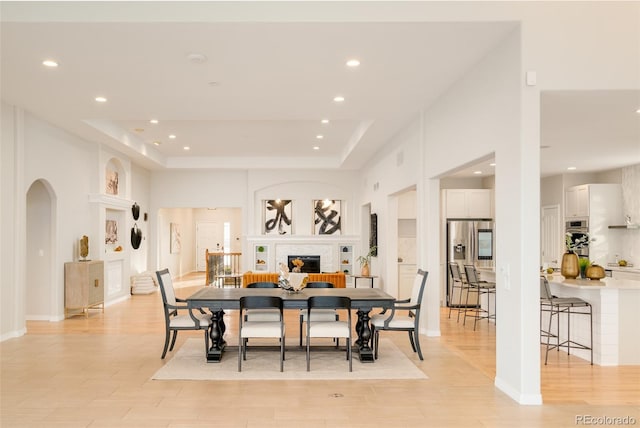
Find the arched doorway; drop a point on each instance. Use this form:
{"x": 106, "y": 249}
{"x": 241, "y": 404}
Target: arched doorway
{"x": 39, "y": 292}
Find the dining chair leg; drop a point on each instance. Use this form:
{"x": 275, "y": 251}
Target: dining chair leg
{"x": 166, "y": 343}
{"x": 173, "y": 341}
{"x": 240, "y": 343}
{"x": 373, "y": 340}
{"x": 418, "y": 349}
{"x": 377, "y": 343}
{"x": 245, "y": 342}
{"x": 282, "y": 354}
{"x": 308, "y": 354}
{"x": 301, "y": 330}
{"x": 413, "y": 345}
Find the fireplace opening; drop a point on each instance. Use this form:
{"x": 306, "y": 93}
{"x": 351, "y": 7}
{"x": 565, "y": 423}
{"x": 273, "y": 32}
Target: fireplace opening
{"x": 311, "y": 263}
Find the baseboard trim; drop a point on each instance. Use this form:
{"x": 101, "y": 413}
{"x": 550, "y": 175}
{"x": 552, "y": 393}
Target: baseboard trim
{"x": 13, "y": 334}
{"x": 524, "y": 399}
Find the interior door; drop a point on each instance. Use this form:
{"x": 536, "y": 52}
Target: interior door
{"x": 550, "y": 235}
{"x": 210, "y": 236}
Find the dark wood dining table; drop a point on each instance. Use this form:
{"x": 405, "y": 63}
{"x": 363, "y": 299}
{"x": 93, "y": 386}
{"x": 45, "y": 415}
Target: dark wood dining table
{"x": 219, "y": 299}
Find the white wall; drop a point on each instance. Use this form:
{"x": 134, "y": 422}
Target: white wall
{"x": 140, "y": 182}
{"x": 394, "y": 170}
{"x": 11, "y": 251}
{"x": 302, "y": 187}
{"x": 184, "y": 261}
{"x": 244, "y": 190}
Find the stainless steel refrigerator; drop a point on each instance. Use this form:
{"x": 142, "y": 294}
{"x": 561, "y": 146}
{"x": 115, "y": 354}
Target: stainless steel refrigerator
{"x": 468, "y": 242}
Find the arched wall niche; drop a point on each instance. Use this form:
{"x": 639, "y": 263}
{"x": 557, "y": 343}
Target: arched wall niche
{"x": 115, "y": 175}
{"x": 42, "y": 291}
{"x": 115, "y": 178}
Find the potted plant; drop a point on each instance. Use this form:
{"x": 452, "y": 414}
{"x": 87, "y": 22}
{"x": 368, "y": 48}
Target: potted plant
{"x": 365, "y": 261}
{"x": 583, "y": 263}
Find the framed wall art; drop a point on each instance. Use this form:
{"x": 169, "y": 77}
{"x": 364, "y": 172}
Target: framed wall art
{"x": 111, "y": 182}
{"x": 278, "y": 218}
{"x": 373, "y": 234}
{"x": 111, "y": 232}
{"x": 176, "y": 240}
{"x": 327, "y": 217}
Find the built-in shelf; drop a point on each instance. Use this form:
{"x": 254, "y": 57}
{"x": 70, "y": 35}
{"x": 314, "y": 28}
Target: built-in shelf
{"x": 624, "y": 226}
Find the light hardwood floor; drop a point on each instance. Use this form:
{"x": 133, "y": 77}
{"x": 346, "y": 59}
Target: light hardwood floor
{"x": 96, "y": 372}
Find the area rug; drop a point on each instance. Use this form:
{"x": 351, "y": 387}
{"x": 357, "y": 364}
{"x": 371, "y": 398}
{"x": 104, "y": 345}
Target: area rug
{"x": 189, "y": 363}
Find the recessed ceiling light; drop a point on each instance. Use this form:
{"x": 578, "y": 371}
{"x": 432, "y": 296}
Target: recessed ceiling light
{"x": 101, "y": 99}
{"x": 492, "y": 164}
{"x": 477, "y": 172}
{"x": 156, "y": 143}
{"x": 173, "y": 137}
{"x": 338, "y": 99}
{"x": 319, "y": 137}
{"x": 353, "y": 63}
{"x": 154, "y": 121}
{"x": 316, "y": 147}
{"x": 49, "y": 63}
{"x": 186, "y": 148}
{"x": 638, "y": 111}
{"x": 324, "y": 121}
{"x": 572, "y": 168}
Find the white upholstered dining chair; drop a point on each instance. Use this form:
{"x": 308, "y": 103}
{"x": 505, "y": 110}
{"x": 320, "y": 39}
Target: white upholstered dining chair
{"x": 176, "y": 321}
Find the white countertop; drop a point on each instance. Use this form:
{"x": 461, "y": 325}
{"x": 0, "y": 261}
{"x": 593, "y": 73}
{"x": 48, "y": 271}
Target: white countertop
{"x": 623, "y": 269}
{"x": 610, "y": 283}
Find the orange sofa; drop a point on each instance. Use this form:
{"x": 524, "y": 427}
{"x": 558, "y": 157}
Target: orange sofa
{"x": 338, "y": 279}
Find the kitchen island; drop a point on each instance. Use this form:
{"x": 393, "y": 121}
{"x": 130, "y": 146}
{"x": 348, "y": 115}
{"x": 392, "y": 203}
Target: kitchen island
{"x": 616, "y": 318}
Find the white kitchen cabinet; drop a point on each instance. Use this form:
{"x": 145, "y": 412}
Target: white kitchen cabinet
{"x": 577, "y": 201}
{"x": 601, "y": 204}
{"x": 469, "y": 203}
{"x": 617, "y": 274}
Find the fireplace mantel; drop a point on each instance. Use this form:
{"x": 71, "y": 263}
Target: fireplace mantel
{"x": 275, "y": 250}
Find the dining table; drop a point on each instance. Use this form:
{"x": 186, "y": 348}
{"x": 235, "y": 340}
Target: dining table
{"x": 217, "y": 300}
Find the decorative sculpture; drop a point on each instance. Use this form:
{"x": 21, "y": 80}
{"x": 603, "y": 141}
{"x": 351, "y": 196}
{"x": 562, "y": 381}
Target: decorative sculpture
{"x": 84, "y": 247}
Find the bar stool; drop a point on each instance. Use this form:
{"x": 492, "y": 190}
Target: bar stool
{"x": 458, "y": 283}
{"x": 482, "y": 288}
{"x": 562, "y": 305}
